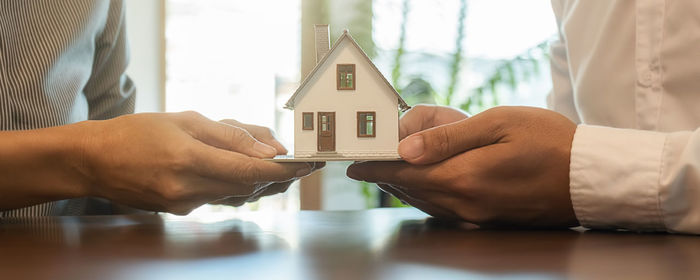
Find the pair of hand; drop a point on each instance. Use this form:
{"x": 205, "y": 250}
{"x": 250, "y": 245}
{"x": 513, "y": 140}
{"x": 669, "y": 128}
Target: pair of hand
{"x": 507, "y": 166}
{"x": 177, "y": 162}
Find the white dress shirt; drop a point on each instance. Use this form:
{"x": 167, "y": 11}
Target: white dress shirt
{"x": 629, "y": 73}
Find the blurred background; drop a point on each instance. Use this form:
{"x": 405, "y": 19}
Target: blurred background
{"x": 243, "y": 59}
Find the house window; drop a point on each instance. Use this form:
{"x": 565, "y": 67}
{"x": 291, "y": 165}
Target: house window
{"x": 346, "y": 76}
{"x": 324, "y": 123}
{"x": 307, "y": 121}
{"x": 366, "y": 124}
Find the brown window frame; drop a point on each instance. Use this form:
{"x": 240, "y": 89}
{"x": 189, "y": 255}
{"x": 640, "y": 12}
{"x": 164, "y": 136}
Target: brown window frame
{"x": 303, "y": 120}
{"x": 354, "y": 77}
{"x": 374, "y": 124}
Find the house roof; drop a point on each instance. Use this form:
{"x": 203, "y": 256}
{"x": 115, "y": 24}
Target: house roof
{"x": 346, "y": 35}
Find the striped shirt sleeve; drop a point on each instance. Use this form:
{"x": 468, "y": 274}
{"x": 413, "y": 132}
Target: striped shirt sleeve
{"x": 110, "y": 92}
{"x": 62, "y": 62}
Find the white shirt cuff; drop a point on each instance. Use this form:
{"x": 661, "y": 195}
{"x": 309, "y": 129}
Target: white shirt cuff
{"x": 614, "y": 178}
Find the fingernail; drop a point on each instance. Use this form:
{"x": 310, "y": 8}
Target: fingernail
{"x": 264, "y": 149}
{"x": 351, "y": 172}
{"x": 412, "y": 147}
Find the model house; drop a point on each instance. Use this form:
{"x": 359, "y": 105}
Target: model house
{"x": 345, "y": 108}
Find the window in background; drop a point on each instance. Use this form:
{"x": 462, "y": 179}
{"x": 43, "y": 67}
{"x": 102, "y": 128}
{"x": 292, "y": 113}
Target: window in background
{"x": 453, "y": 48}
{"x": 237, "y": 60}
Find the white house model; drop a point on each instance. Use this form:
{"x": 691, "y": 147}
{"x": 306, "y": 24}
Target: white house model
{"x": 345, "y": 109}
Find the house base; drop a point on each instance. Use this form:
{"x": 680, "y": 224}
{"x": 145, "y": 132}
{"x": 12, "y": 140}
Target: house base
{"x": 322, "y": 157}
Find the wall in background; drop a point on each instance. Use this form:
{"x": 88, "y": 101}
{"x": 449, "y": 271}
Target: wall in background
{"x": 145, "y": 30}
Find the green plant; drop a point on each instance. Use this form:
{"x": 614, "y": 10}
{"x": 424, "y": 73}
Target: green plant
{"x": 509, "y": 73}
{"x": 456, "y": 63}
{"x": 396, "y": 71}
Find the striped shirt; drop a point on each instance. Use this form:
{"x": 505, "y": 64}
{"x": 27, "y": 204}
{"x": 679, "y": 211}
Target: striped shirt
{"x": 62, "y": 62}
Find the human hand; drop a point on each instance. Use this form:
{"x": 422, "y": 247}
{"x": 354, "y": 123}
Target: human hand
{"x": 267, "y": 136}
{"x": 508, "y": 166}
{"x": 422, "y": 117}
{"x": 177, "y": 162}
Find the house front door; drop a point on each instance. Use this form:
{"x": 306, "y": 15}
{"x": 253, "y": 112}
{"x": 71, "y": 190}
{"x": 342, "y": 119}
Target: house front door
{"x": 326, "y": 131}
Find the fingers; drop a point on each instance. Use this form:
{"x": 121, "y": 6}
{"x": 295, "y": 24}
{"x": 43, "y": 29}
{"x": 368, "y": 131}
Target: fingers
{"x": 271, "y": 190}
{"x": 239, "y": 200}
{"x": 280, "y": 187}
{"x": 382, "y": 172}
{"x": 422, "y": 117}
{"x": 261, "y": 133}
{"x": 431, "y": 209}
{"x": 317, "y": 165}
{"x": 441, "y": 142}
{"x": 395, "y": 173}
{"x": 225, "y": 136}
{"x": 237, "y": 168}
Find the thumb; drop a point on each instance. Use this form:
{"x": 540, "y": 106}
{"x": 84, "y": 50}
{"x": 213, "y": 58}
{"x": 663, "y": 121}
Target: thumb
{"x": 442, "y": 142}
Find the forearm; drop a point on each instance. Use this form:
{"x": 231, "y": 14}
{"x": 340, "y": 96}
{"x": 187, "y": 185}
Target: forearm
{"x": 41, "y": 165}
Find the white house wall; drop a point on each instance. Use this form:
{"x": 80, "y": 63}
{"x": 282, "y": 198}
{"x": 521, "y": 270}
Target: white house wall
{"x": 371, "y": 94}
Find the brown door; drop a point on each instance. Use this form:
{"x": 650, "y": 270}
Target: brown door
{"x": 326, "y": 131}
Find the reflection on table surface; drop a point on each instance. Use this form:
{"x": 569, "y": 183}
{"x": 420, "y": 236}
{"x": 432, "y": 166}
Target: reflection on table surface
{"x": 373, "y": 244}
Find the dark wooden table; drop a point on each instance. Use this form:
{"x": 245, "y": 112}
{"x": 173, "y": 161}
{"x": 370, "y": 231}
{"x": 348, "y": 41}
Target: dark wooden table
{"x": 374, "y": 244}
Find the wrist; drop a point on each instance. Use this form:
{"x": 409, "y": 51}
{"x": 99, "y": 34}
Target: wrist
{"x": 79, "y": 152}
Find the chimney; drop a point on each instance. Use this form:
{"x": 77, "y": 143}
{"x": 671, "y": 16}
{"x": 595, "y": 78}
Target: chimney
{"x": 323, "y": 42}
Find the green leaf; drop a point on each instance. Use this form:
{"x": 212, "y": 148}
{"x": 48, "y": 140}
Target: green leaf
{"x": 512, "y": 82}
{"x": 368, "y": 192}
{"x": 493, "y": 83}
{"x": 467, "y": 105}
{"x": 395, "y": 202}
{"x": 535, "y": 65}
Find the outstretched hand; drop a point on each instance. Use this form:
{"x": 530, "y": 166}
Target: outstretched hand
{"x": 266, "y": 136}
{"x": 177, "y": 162}
{"x": 508, "y": 166}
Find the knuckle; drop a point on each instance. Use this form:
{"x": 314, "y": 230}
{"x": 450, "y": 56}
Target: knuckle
{"x": 181, "y": 158}
{"x": 421, "y": 108}
{"x": 266, "y": 131}
{"x": 236, "y": 134}
{"x": 440, "y": 139}
{"x": 499, "y": 119}
{"x": 453, "y": 181}
{"x": 174, "y": 192}
{"x": 260, "y": 132}
{"x": 445, "y": 143}
{"x": 190, "y": 121}
{"x": 475, "y": 215}
{"x": 191, "y": 115}
{"x": 250, "y": 173}
{"x": 229, "y": 121}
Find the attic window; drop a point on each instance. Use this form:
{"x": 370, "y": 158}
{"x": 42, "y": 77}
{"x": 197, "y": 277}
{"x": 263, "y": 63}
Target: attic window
{"x": 366, "y": 124}
{"x": 346, "y": 76}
